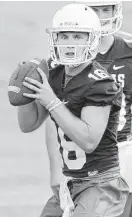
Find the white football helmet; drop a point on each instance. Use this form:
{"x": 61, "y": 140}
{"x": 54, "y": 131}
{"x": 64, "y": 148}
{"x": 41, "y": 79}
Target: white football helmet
{"x": 75, "y": 18}
{"x": 109, "y": 25}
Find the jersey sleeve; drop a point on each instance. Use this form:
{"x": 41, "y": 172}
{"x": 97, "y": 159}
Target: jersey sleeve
{"x": 103, "y": 93}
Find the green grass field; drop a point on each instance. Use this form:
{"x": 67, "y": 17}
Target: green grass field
{"x": 24, "y": 167}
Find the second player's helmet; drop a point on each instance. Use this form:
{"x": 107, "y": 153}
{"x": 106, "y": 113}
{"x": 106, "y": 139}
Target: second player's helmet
{"x": 112, "y": 24}
{"x": 75, "y": 18}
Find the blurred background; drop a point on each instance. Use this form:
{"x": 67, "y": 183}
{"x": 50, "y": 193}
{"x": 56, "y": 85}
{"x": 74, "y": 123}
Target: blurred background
{"x": 24, "y": 166}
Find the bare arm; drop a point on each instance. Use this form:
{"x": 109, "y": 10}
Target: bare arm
{"x": 31, "y": 116}
{"x": 87, "y": 131}
{"x": 53, "y": 152}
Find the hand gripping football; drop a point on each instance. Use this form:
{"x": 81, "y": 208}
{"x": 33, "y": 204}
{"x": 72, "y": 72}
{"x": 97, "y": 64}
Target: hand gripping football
{"x": 16, "y": 87}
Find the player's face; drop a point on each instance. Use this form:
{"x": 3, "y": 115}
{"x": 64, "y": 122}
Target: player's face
{"x": 104, "y": 12}
{"x": 72, "y": 44}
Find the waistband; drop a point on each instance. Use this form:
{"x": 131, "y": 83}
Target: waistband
{"x": 66, "y": 201}
{"x": 107, "y": 175}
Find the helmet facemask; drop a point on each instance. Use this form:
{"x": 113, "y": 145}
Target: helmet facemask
{"x": 70, "y": 20}
{"x": 81, "y": 53}
{"x": 112, "y": 24}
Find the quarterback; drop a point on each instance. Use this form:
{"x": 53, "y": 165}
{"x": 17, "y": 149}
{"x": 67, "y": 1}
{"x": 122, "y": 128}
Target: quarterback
{"x": 115, "y": 54}
{"x": 83, "y": 102}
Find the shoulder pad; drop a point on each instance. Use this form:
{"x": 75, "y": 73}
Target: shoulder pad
{"x": 98, "y": 72}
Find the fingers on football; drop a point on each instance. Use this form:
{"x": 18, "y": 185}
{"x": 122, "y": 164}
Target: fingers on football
{"x": 30, "y": 86}
{"x": 42, "y": 74}
{"x": 33, "y": 81}
{"x": 34, "y": 96}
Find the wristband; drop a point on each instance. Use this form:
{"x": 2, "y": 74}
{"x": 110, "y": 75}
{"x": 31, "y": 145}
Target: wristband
{"x": 52, "y": 103}
{"x": 54, "y": 106}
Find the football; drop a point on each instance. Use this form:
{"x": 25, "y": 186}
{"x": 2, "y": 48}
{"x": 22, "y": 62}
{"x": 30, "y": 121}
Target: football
{"x": 16, "y": 87}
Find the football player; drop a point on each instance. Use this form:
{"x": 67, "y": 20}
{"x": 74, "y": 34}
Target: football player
{"x": 83, "y": 102}
{"x": 115, "y": 54}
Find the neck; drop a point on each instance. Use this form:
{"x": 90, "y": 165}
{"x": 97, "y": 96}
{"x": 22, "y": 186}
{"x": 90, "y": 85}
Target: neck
{"x": 72, "y": 71}
{"x": 106, "y": 43}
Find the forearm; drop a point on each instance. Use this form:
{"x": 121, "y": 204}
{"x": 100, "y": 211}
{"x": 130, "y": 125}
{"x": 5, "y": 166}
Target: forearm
{"x": 55, "y": 161}
{"x": 73, "y": 127}
{"x": 31, "y": 116}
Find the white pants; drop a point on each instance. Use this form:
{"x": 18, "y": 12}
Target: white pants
{"x": 125, "y": 157}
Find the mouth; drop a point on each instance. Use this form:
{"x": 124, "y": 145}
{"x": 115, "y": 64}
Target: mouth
{"x": 69, "y": 54}
{"x": 103, "y": 23}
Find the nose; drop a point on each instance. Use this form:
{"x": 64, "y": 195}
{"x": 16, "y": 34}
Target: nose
{"x": 70, "y": 47}
{"x": 100, "y": 13}
{"x": 70, "y": 41}
{"x": 69, "y": 44}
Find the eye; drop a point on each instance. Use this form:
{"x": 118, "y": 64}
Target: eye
{"x": 106, "y": 9}
{"x": 95, "y": 9}
{"x": 63, "y": 37}
{"x": 78, "y": 37}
